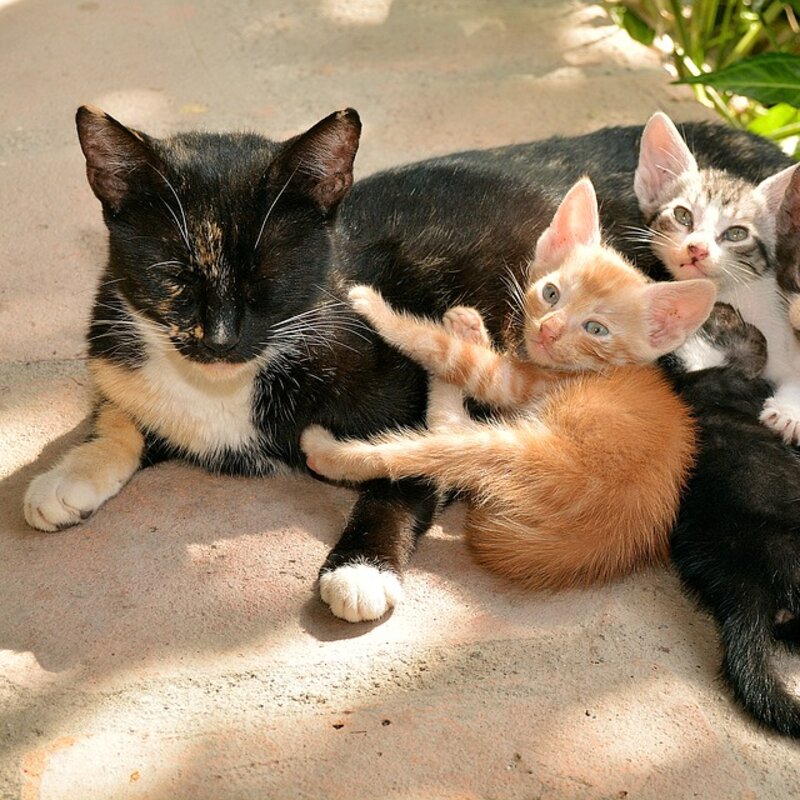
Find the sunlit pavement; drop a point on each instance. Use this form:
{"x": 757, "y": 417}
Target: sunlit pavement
{"x": 173, "y": 645}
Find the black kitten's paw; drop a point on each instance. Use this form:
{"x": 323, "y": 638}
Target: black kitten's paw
{"x": 360, "y": 592}
{"x": 744, "y": 345}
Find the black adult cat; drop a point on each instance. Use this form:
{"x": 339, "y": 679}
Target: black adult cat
{"x": 217, "y": 335}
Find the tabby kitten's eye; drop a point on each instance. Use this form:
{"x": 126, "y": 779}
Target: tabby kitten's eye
{"x": 683, "y": 215}
{"x": 736, "y": 233}
{"x": 550, "y": 293}
{"x": 595, "y": 328}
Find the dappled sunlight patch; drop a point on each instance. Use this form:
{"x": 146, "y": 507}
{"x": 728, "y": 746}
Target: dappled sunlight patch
{"x": 357, "y": 12}
{"x": 145, "y": 108}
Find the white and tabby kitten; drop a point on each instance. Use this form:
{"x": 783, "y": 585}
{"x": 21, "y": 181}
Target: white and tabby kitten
{"x": 710, "y": 224}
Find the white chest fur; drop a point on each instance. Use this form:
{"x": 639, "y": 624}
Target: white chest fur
{"x": 203, "y": 414}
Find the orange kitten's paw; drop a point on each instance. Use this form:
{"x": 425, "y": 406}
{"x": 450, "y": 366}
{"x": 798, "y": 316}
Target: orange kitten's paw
{"x": 466, "y": 323}
{"x": 783, "y": 418}
{"x": 360, "y": 592}
{"x": 366, "y": 301}
{"x": 320, "y": 446}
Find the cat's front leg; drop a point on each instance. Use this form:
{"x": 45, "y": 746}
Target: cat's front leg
{"x": 781, "y": 412}
{"x": 360, "y": 579}
{"x": 88, "y": 475}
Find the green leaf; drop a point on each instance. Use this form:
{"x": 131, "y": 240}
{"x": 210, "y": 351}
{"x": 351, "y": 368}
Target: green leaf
{"x": 777, "y": 117}
{"x": 635, "y": 26}
{"x": 769, "y": 78}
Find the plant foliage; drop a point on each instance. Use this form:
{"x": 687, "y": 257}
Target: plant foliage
{"x": 741, "y": 57}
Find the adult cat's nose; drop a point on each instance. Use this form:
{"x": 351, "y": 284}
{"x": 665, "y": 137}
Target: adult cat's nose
{"x": 221, "y": 334}
{"x": 222, "y": 339}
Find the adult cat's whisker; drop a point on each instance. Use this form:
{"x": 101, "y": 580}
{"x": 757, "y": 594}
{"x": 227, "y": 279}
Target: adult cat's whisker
{"x": 272, "y": 206}
{"x": 171, "y": 262}
{"x": 184, "y": 231}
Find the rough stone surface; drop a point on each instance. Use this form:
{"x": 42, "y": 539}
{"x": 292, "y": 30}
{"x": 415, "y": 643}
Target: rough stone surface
{"x": 173, "y": 646}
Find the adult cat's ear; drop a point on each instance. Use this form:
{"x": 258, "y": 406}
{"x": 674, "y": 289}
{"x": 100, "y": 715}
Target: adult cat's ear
{"x": 674, "y": 310}
{"x": 118, "y": 159}
{"x": 319, "y": 163}
{"x": 576, "y": 222}
{"x": 663, "y": 156}
{"x": 787, "y": 231}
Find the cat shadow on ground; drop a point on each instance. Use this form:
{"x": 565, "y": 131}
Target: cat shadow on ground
{"x": 184, "y": 564}
{"x": 180, "y": 562}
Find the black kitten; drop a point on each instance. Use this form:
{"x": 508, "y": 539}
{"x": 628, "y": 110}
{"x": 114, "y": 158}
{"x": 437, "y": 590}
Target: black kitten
{"x": 737, "y": 540}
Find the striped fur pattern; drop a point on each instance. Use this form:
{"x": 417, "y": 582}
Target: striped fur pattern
{"x": 577, "y": 479}
{"x": 707, "y": 223}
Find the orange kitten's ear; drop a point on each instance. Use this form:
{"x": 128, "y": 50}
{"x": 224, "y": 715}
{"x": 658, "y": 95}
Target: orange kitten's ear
{"x": 675, "y": 310}
{"x": 663, "y": 156}
{"x": 576, "y": 222}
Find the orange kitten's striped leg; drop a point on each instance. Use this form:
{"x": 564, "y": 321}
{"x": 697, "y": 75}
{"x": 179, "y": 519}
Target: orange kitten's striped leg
{"x": 446, "y": 406}
{"x": 453, "y": 459}
{"x": 446, "y": 401}
{"x": 88, "y": 475}
{"x": 482, "y": 372}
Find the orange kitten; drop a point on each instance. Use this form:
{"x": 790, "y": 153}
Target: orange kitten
{"x": 578, "y": 478}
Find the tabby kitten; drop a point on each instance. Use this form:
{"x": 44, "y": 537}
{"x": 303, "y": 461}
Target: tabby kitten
{"x": 578, "y": 481}
{"x": 707, "y": 223}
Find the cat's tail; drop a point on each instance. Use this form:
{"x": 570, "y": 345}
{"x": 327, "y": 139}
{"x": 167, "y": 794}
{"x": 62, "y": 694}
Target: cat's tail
{"x": 747, "y": 637}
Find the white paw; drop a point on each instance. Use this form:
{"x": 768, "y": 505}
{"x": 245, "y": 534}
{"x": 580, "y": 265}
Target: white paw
{"x": 365, "y": 300}
{"x": 56, "y": 500}
{"x": 360, "y": 592}
{"x": 319, "y": 444}
{"x": 465, "y": 323}
{"x": 782, "y": 418}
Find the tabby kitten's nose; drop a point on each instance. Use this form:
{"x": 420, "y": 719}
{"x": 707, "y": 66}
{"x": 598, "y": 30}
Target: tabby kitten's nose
{"x": 698, "y": 251}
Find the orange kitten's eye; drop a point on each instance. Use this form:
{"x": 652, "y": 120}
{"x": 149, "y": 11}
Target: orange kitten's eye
{"x": 595, "y": 328}
{"x": 683, "y": 215}
{"x": 736, "y": 233}
{"x": 550, "y": 293}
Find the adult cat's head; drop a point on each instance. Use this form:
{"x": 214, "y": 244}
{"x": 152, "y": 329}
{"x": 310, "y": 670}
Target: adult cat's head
{"x": 588, "y": 307}
{"x": 216, "y": 238}
{"x": 705, "y": 223}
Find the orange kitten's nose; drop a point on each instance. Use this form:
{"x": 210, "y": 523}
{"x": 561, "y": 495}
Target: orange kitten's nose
{"x": 550, "y": 329}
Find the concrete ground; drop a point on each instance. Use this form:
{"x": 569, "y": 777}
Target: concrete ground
{"x": 173, "y": 646}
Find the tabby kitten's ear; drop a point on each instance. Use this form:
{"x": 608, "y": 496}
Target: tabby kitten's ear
{"x": 674, "y": 310}
{"x": 774, "y": 188}
{"x": 787, "y": 232}
{"x": 318, "y": 164}
{"x": 118, "y": 159}
{"x": 663, "y": 156}
{"x": 576, "y": 222}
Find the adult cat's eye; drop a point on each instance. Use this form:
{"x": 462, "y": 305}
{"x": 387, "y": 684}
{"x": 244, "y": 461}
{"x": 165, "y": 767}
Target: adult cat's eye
{"x": 595, "y": 328}
{"x": 550, "y": 293}
{"x": 736, "y": 233}
{"x": 683, "y": 215}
